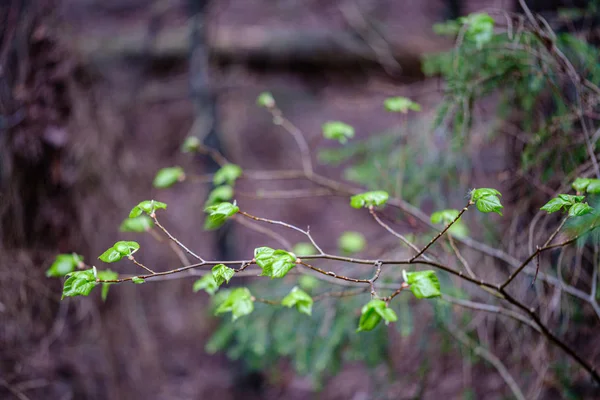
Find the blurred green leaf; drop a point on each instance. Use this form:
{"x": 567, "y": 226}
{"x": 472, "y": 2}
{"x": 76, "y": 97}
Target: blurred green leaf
{"x": 401, "y": 104}
{"x": 336, "y": 130}
{"x": 106, "y": 275}
{"x": 141, "y": 223}
{"x": 265, "y": 99}
{"x": 373, "y": 312}
{"x": 222, "y": 273}
{"x": 299, "y": 298}
{"x": 137, "y": 280}
{"x": 375, "y": 198}
{"x": 228, "y": 173}
{"x": 238, "y": 303}
{"x": 206, "y": 283}
{"x": 218, "y": 214}
{"x": 579, "y": 209}
{"x": 219, "y": 195}
{"x": 304, "y": 249}
{"x": 352, "y": 242}
{"x": 444, "y": 216}
{"x": 64, "y": 264}
{"x": 147, "y": 206}
{"x": 190, "y": 144}
{"x": 167, "y": 177}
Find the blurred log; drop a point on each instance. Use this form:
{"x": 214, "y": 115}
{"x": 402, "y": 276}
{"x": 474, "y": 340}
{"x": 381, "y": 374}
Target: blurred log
{"x": 265, "y": 46}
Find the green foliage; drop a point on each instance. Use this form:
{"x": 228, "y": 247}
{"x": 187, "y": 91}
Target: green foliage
{"x": 238, "y": 303}
{"x": 265, "y": 99}
{"x": 444, "y": 216}
{"x": 401, "y": 105}
{"x": 218, "y": 214}
{"x": 228, "y": 174}
{"x": 568, "y": 203}
{"x": 219, "y": 195}
{"x": 373, "y": 312}
{"x": 64, "y": 264}
{"x": 148, "y": 206}
{"x": 299, "y": 298}
{"x": 138, "y": 280}
{"x": 190, "y": 144}
{"x": 222, "y": 273}
{"x": 587, "y": 185}
{"x": 142, "y": 223}
{"x": 336, "y": 130}
{"x": 487, "y": 200}
{"x": 304, "y": 249}
{"x": 351, "y": 242}
{"x": 206, "y": 283}
{"x": 167, "y": 177}
{"x": 423, "y": 284}
{"x": 119, "y": 250}
{"x": 368, "y": 199}
{"x": 106, "y": 275}
{"x": 274, "y": 263}
{"x": 79, "y": 283}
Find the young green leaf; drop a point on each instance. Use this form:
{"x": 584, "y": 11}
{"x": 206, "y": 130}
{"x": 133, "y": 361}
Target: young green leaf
{"x": 106, "y": 275}
{"x": 580, "y": 209}
{"x": 137, "y": 280}
{"x": 206, "y": 283}
{"x": 111, "y": 255}
{"x": 556, "y": 204}
{"x": 79, "y": 283}
{"x": 218, "y": 214}
{"x": 148, "y": 207}
{"x": 299, "y": 298}
{"x": 581, "y": 184}
{"x": 219, "y": 195}
{"x": 222, "y": 273}
{"x": 351, "y": 242}
{"x": 423, "y": 284}
{"x": 487, "y": 200}
{"x": 375, "y": 198}
{"x": 126, "y": 248}
{"x": 228, "y": 173}
{"x": 373, "y": 312}
{"x": 167, "y": 177}
{"x": 143, "y": 223}
{"x": 336, "y": 130}
{"x": 304, "y": 249}
{"x": 190, "y": 144}
{"x": 64, "y": 264}
{"x": 274, "y": 263}
{"x": 265, "y": 99}
{"x": 444, "y": 216}
{"x": 238, "y": 303}
{"x": 400, "y": 104}
{"x": 594, "y": 186}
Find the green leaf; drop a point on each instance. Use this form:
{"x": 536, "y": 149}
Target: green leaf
{"x": 352, "y": 242}
{"x": 106, "y": 275}
{"x": 304, "y": 249}
{"x": 373, "y": 312}
{"x": 126, "y": 248}
{"x": 489, "y": 204}
{"x": 594, "y": 186}
{"x": 554, "y": 205}
{"x": 206, "y": 283}
{"x": 148, "y": 207}
{"x": 274, "y": 263}
{"x": 400, "y": 104}
{"x": 222, "y": 273}
{"x": 238, "y": 303}
{"x": 477, "y": 194}
{"x": 458, "y": 229}
{"x": 308, "y": 282}
{"x": 444, "y": 216}
{"x": 375, "y": 198}
{"x": 336, "y": 130}
{"x": 219, "y": 195}
{"x": 137, "y": 280}
{"x": 64, "y": 264}
{"x": 265, "y": 99}
{"x": 218, "y": 214}
{"x": 581, "y": 184}
{"x": 190, "y": 144}
{"x": 565, "y": 202}
{"x": 299, "y": 298}
{"x": 580, "y": 209}
{"x": 79, "y": 283}
{"x": 141, "y": 223}
{"x": 571, "y": 199}
{"x": 480, "y": 28}
{"x": 167, "y": 177}
{"x": 424, "y": 284}
{"x": 228, "y": 173}
{"x": 111, "y": 255}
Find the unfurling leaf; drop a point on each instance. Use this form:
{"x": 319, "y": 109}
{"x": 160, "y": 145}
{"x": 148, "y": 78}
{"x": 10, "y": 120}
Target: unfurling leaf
{"x": 228, "y": 174}
{"x": 299, "y": 298}
{"x": 190, "y": 144}
{"x": 487, "y": 200}
{"x": 375, "y": 198}
{"x": 352, "y": 242}
{"x": 167, "y": 177}
{"x": 580, "y": 209}
{"x": 265, "y": 99}
{"x": 64, "y": 264}
{"x": 423, "y": 284}
{"x": 569, "y": 203}
{"x": 137, "y": 280}
{"x": 142, "y": 223}
{"x": 148, "y": 207}
{"x": 238, "y": 303}
{"x": 222, "y": 273}
{"x": 400, "y": 104}
{"x": 373, "y": 312}
{"x": 274, "y": 263}
{"x": 79, "y": 283}
{"x": 206, "y": 283}
{"x": 336, "y": 130}
{"x": 218, "y": 214}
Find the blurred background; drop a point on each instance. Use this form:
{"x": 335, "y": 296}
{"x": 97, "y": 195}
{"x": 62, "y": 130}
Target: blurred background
{"x": 97, "y": 96}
